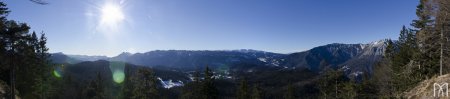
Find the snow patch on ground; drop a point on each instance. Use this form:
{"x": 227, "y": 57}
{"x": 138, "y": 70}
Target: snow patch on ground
{"x": 345, "y": 68}
{"x": 169, "y": 83}
{"x": 356, "y": 74}
{"x": 262, "y": 59}
{"x": 362, "y": 46}
{"x": 275, "y": 63}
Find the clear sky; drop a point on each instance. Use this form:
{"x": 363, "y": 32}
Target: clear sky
{"x": 109, "y": 27}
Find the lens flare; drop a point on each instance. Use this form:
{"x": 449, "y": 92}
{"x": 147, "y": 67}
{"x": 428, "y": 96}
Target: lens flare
{"x": 118, "y": 76}
{"x": 57, "y": 72}
{"x": 117, "y": 69}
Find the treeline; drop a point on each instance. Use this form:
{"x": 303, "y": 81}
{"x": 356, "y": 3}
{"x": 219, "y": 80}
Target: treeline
{"x": 24, "y": 65}
{"x": 341, "y": 85}
{"x": 210, "y": 87}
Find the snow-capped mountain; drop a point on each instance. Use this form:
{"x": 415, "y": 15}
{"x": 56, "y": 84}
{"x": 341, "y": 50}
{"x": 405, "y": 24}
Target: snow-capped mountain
{"x": 356, "y": 57}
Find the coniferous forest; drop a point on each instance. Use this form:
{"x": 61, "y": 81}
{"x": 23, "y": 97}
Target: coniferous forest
{"x": 401, "y": 67}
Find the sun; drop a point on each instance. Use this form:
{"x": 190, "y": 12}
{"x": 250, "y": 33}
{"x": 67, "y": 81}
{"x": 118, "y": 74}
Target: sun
{"x": 111, "y": 14}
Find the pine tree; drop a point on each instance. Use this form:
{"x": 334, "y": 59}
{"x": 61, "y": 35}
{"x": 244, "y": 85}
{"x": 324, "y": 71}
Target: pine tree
{"x": 208, "y": 88}
{"x": 390, "y": 49}
{"x": 13, "y": 35}
{"x": 383, "y": 73}
{"x": 128, "y": 83}
{"x": 290, "y": 92}
{"x": 367, "y": 87}
{"x": 146, "y": 88}
{"x": 348, "y": 90}
{"x": 243, "y": 92}
{"x": 41, "y": 71}
{"x": 192, "y": 89}
{"x": 424, "y": 15}
{"x": 24, "y": 56}
{"x": 4, "y": 66}
{"x": 330, "y": 83}
{"x": 68, "y": 88}
{"x": 196, "y": 77}
{"x": 427, "y": 37}
{"x": 95, "y": 89}
{"x": 443, "y": 28}
{"x": 405, "y": 73}
{"x": 257, "y": 92}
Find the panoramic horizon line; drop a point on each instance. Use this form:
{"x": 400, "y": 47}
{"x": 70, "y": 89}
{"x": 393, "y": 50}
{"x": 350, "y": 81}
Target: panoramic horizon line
{"x": 215, "y": 50}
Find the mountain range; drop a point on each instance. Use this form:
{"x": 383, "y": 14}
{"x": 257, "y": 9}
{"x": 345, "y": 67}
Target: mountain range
{"x": 358, "y": 58}
{"x": 272, "y": 71}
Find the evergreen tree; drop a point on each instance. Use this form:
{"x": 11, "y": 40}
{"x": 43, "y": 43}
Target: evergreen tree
{"x": 21, "y": 54}
{"x": 347, "y": 90}
{"x": 192, "y": 89}
{"x": 128, "y": 83}
{"x": 290, "y": 92}
{"x": 68, "y": 87}
{"x": 257, "y": 92}
{"x": 146, "y": 88}
{"x": 208, "y": 88}
{"x": 428, "y": 37}
{"x": 419, "y": 52}
{"x": 243, "y": 91}
{"x": 95, "y": 89}
{"x": 388, "y": 53}
{"x": 196, "y": 77}
{"x": 383, "y": 74}
{"x": 443, "y": 29}
{"x": 424, "y": 15}
{"x": 403, "y": 61}
{"x": 330, "y": 83}
{"x": 367, "y": 88}
{"x": 14, "y": 37}
{"x": 42, "y": 71}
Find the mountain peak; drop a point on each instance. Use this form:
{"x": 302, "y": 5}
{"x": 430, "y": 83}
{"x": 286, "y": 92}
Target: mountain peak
{"x": 125, "y": 54}
{"x": 382, "y": 41}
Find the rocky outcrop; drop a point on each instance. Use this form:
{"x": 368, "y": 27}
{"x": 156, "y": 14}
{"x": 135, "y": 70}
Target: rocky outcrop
{"x": 434, "y": 88}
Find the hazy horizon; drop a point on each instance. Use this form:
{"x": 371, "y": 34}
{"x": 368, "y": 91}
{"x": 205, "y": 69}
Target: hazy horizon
{"x": 208, "y": 50}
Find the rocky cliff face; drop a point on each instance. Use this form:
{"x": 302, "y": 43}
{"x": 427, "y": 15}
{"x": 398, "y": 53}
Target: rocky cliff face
{"x": 358, "y": 58}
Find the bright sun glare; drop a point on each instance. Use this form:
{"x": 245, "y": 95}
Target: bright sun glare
{"x": 111, "y": 14}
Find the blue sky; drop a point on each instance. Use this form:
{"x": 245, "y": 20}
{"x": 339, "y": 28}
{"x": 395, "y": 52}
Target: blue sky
{"x": 282, "y": 26}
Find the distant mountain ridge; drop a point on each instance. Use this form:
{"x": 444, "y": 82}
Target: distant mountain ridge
{"x": 354, "y": 57}
{"x": 88, "y": 58}
{"x": 60, "y": 58}
{"x": 186, "y": 59}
